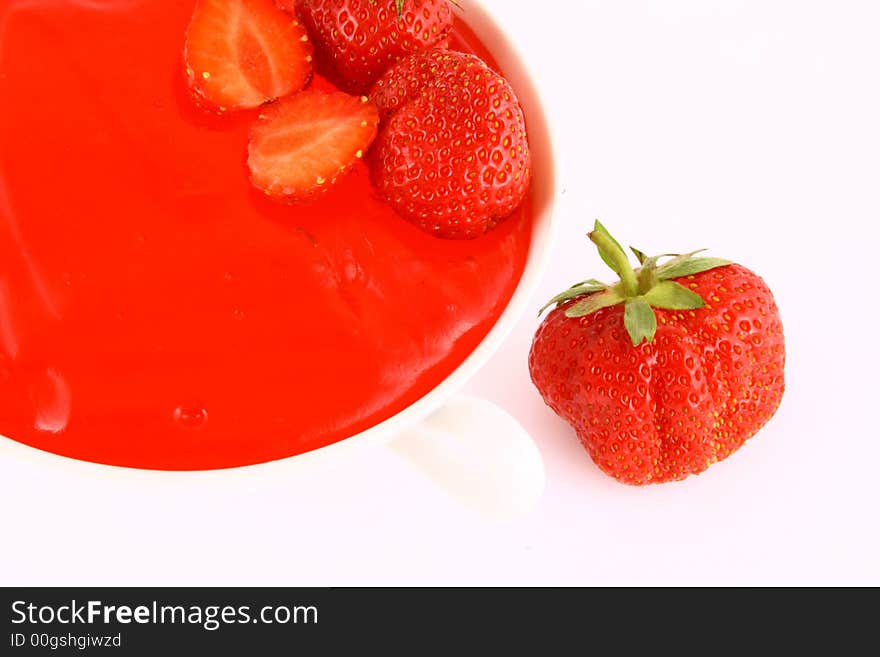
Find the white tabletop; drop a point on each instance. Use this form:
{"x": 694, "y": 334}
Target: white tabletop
{"x": 748, "y": 126}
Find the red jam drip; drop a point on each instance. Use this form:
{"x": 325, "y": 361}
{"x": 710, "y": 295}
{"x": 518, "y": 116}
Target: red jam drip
{"x": 158, "y": 312}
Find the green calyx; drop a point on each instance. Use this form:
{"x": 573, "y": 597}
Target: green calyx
{"x": 399, "y": 5}
{"x": 640, "y": 290}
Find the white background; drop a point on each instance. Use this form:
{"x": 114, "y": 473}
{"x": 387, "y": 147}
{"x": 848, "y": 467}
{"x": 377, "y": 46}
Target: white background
{"x": 749, "y": 126}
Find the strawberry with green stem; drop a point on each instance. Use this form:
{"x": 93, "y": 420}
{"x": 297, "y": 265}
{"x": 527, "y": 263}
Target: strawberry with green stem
{"x": 666, "y": 371}
{"x": 357, "y": 40}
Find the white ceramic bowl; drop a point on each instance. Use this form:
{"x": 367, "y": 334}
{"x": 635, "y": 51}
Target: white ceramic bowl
{"x": 468, "y": 446}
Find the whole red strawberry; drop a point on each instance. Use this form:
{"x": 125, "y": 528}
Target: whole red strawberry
{"x": 667, "y": 371}
{"x": 453, "y": 156}
{"x": 359, "y": 39}
{"x": 411, "y": 77}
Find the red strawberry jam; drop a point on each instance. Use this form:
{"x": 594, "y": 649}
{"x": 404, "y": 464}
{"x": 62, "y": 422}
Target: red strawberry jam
{"x": 156, "y": 311}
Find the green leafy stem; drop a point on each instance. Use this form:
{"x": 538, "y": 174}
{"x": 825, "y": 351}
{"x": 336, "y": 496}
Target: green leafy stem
{"x": 641, "y": 290}
{"x": 400, "y": 3}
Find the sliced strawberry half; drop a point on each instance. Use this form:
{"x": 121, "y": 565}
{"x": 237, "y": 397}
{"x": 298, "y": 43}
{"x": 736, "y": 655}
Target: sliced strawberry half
{"x": 302, "y": 144}
{"x": 242, "y": 53}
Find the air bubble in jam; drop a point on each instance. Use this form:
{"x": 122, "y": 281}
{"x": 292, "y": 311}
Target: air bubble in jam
{"x": 190, "y": 416}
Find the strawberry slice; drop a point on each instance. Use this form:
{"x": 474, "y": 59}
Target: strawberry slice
{"x": 242, "y": 53}
{"x": 302, "y": 145}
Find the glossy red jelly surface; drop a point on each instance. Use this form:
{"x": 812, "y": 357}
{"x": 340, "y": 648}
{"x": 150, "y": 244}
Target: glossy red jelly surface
{"x": 155, "y": 310}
